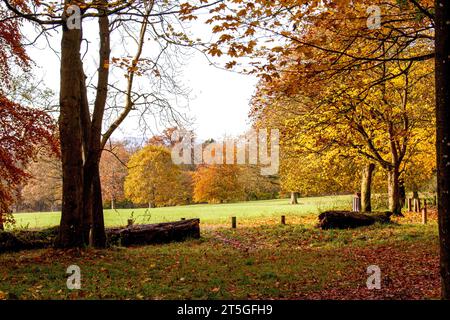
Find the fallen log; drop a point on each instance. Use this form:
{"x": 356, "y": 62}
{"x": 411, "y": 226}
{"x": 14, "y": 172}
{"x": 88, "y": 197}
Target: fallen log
{"x": 154, "y": 233}
{"x": 27, "y": 239}
{"x": 132, "y": 235}
{"x": 350, "y": 220}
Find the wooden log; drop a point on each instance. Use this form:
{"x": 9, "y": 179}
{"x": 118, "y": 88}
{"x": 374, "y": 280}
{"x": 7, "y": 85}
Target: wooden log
{"x": 349, "y": 220}
{"x": 27, "y": 239}
{"x": 233, "y": 222}
{"x": 283, "y": 220}
{"x": 155, "y": 233}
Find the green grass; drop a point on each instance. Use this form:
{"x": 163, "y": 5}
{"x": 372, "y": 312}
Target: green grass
{"x": 211, "y": 214}
{"x": 261, "y": 259}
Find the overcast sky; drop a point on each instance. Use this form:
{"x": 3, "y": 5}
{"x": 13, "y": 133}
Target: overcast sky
{"x": 219, "y": 99}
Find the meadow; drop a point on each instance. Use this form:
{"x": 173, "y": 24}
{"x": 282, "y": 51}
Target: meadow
{"x": 207, "y": 213}
{"x": 261, "y": 259}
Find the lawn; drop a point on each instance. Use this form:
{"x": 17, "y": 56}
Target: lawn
{"x": 214, "y": 214}
{"x": 261, "y": 259}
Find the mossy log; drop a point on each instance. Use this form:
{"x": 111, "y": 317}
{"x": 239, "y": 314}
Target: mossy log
{"x": 155, "y": 233}
{"x": 129, "y": 236}
{"x": 350, "y": 220}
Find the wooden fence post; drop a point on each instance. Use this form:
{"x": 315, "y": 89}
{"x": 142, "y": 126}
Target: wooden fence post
{"x": 283, "y": 220}
{"x": 233, "y": 222}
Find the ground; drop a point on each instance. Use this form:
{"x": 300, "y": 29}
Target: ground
{"x": 261, "y": 259}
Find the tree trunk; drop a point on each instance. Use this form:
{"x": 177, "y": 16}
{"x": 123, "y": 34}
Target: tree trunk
{"x": 294, "y": 197}
{"x": 366, "y": 187}
{"x": 2, "y": 227}
{"x": 93, "y": 221}
{"x": 393, "y": 192}
{"x": 98, "y": 226}
{"x": 442, "y": 47}
{"x": 415, "y": 191}
{"x": 70, "y": 232}
{"x": 113, "y": 204}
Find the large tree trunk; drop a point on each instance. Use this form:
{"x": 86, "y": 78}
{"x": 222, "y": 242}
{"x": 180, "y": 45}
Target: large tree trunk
{"x": 393, "y": 192}
{"x": 70, "y": 232}
{"x": 366, "y": 187}
{"x": 93, "y": 221}
{"x": 442, "y": 44}
{"x": 294, "y": 197}
{"x": 98, "y": 222}
{"x": 1, "y": 221}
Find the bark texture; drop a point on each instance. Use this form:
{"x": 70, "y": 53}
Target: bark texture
{"x": 71, "y": 228}
{"x": 394, "y": 192}
{"x": 442, "y": 47}
{"x": 294, "y": 197}
{"x": 366, "y": 187}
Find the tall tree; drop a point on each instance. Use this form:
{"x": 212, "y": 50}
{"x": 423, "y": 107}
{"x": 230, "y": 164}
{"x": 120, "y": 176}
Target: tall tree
{"x": 218, "y": 184}
{"x": 43, "y": 191}
{"x": 442, "y": 17}
{"x": 80, "y": 122}
{"x": 113, "y": 170}
{"x": 22, "y": 129}
{"x": 153, "y": 179}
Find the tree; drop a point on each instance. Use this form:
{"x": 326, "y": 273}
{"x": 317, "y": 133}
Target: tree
{"x": 442, "y": 16}
{"x": 217, "y": 184}
{"x": 154, "y": 179}
{"x": 411, "y": 22}
{"x": 43, "y": 189}
{"x": 113, "y": 170}
{"x": 256, "y": 186}
{"x": 22, "y": 130}
{"x": 81, "y": 122}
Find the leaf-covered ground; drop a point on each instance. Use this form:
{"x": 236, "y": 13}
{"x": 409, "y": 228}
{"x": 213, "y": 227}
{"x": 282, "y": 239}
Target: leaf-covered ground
{"x": 259, "y": 260}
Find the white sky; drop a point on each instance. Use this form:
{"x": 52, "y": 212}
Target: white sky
{"x": 219, "y": 99}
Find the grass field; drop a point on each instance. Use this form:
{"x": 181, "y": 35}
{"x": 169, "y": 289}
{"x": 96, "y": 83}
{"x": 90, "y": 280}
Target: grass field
{"x": 261, "y": 259}
{"x": 212, "y": 214}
